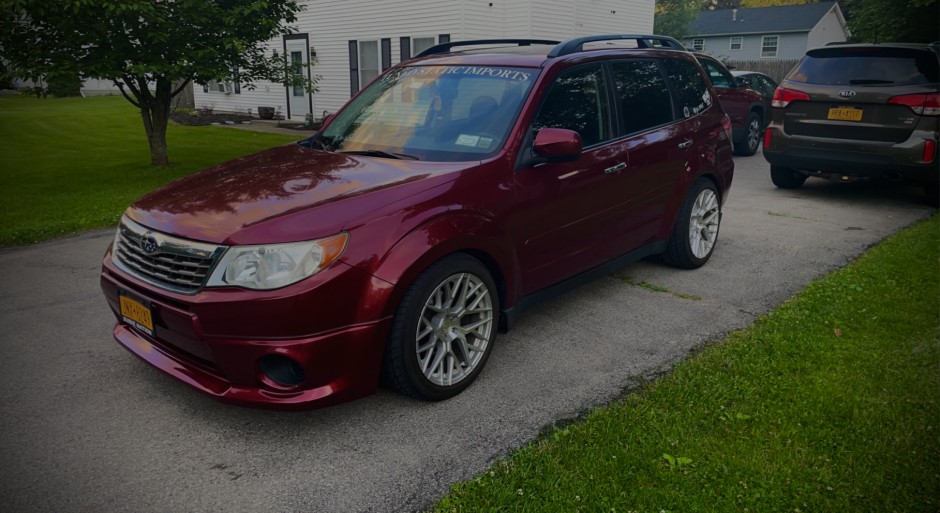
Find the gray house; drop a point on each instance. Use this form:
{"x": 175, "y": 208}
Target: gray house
{"x": 782, "y": 33}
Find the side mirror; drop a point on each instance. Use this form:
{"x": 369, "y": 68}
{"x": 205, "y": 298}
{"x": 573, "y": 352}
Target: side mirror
{"x": 557, "y": 145}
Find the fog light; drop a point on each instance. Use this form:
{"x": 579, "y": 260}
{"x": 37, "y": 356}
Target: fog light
{"x": 282, "y": 370}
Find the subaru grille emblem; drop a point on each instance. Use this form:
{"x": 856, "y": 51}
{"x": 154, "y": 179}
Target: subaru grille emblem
{"x": 848, "y": 93}
{"x": 149, "y": 244}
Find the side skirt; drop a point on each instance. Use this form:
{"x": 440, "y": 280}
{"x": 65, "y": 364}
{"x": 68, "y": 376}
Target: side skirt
{"x": 508, "y": 316}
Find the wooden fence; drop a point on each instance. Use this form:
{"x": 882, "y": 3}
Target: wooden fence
{"x": 775, "y": 69}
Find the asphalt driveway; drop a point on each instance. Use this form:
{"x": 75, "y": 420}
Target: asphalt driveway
{"x": 85, "y": 426}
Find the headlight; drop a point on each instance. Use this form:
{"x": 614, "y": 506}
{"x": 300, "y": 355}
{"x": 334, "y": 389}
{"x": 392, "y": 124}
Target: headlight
{"x": 275, "y": 265}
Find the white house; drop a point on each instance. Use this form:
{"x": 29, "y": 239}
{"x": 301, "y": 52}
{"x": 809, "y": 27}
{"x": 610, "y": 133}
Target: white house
{"x": 783, "y": 32}
{"x": 354, "y": 40}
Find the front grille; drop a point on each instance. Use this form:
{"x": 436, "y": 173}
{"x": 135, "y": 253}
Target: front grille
{"x": 169, "y": 262}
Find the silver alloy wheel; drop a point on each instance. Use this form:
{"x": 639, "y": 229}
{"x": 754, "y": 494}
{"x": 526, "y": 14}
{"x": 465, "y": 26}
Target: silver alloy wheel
{"x": 703, "y": 224}
{"x": 753, "y": 134}
{"x": 454, "y": 329}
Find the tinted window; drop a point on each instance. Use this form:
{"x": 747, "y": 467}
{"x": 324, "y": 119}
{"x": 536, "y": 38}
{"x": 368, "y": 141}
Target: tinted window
{"x": 577, "y": 100}
{"x": 688, "y": 86}
{"x": 642, "y": 93}
{"x": 717, "y": 73}
{"x": 867, "y": 66}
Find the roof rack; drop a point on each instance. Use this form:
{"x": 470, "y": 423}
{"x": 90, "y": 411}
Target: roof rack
{"x": 446, "y": 47}
{"x": 642, "y": 41}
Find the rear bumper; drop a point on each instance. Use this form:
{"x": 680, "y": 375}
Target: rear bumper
{"x": 854, "y": 159}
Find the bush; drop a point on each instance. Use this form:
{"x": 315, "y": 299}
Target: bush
{"x": 63, "y": 84}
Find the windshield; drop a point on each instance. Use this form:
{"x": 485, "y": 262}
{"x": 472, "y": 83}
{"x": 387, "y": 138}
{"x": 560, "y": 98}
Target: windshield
{"x": 436, "y": 113}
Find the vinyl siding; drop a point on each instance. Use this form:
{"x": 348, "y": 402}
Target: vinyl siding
{"x": 331, "y": 24}
{"x": 828, "y": 30}
{"x": 789, "y": 46}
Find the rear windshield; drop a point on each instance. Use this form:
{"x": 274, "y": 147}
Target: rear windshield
{"x": 867, "y": 67}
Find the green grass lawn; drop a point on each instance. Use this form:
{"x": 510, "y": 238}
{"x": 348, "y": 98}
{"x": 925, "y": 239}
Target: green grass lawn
{"x": 827, "y": 404}
{"x": 74, "y": 164}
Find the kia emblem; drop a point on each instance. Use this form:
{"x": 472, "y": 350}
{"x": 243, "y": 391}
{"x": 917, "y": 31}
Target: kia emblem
{"x": 848, "y": 93}
{"x": 149, "y": 244}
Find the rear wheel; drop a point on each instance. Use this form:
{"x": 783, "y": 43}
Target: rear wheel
{"x": 443, "y": 331}
{"x": 752, "y": 132}
{"x": 786, "y": 178}
{"x": 696, "y": 230}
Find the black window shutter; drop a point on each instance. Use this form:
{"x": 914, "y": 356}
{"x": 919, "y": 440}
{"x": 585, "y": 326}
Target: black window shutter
{"x": 353, "y": 67}
{"x": 405, "y": 48}
{"x": 235, "y": 85}
{"x": 443, "y": 38}
{"x": 386, "y": 53}
{"x": 205, "y": 87}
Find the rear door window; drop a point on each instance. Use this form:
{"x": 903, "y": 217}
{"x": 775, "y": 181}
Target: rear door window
{"x": 867, "y": 66}
{"x": 642, "y": 93}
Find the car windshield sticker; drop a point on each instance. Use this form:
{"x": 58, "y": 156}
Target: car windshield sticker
{"x": 508, "y": 74}
{"x": 467, "y": 140}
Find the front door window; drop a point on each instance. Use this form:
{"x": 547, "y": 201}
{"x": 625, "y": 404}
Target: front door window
{"x": 297, "y": 68}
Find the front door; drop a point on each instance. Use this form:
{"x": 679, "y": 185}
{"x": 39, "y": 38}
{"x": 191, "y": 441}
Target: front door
{"x": 298, "y": 99}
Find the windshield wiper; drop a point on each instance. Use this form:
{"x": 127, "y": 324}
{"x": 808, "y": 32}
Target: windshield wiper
{"x": 380, "y": 153}
{"x": 866, "y": 81}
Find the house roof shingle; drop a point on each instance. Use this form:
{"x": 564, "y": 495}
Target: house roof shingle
{"x": 789, "y": 18}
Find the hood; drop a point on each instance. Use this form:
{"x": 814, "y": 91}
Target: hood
{"x": 217, "y": 203}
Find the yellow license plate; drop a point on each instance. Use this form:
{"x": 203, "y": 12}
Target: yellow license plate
{"x": 845, "y": 113}
{"x": 136, "y": 313}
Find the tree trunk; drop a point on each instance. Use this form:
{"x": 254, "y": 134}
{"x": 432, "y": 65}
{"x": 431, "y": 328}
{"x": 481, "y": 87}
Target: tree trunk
{"x": 155, "y": 115}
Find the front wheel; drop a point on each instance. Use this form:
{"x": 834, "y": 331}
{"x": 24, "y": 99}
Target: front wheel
{"x": 443, "y": 331}
{"x": 752, "y": 133}
{"x": 696, "y": 230}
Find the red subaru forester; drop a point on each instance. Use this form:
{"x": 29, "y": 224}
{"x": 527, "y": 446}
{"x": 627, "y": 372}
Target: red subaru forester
{"x": 452, "y": 192}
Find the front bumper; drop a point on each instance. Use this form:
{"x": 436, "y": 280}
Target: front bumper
{"x": 214, "y": 341}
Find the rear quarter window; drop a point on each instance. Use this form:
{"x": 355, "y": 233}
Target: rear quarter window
{"x": 688, "y": 87}
{"x": 867, "y": 66}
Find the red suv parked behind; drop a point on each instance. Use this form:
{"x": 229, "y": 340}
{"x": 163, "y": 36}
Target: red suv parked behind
{"x": 454, "y": 191}
{"x": 746, "y": 108}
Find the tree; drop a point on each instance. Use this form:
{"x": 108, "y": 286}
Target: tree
{"x": 882, "y": 21}
{"x": 672, "y": 17}
{"x": 150, "y": 49}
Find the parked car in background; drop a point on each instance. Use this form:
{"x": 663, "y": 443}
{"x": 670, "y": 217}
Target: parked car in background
{"x": 858, "y": 112}
{"x": 745, "y": 106}
{"x": 759, "y": 82}
{"x": 455, "y": 190}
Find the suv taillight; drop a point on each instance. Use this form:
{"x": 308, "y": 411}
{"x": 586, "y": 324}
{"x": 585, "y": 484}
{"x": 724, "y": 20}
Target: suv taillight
{"x": 783, "y": 97}
{"x": 923, "y": 104}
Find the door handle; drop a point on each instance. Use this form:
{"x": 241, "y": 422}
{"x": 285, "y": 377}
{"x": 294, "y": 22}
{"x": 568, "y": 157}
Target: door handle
{"x": 613, "y": 169}
{"x": 685, "y": 144}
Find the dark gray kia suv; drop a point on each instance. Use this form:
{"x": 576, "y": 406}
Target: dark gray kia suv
{"x": 858, "y": 112}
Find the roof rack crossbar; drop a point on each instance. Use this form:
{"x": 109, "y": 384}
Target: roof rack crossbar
{"x": 642, "y": 41}
{"x": 446, "y": 47}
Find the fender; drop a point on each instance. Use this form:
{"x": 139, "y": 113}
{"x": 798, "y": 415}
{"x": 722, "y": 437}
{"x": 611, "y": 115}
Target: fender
{"x": 448, "y": 233}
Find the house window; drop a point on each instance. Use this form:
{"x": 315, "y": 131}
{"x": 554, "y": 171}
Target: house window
{"x": 368, "y": 61}
{"x": 698, "y": 44}
{"x": 420, "y": 44}
{"x": 214, "y": 86}
{"x": 736, "y": 43}
{"x": 768, "y": 46}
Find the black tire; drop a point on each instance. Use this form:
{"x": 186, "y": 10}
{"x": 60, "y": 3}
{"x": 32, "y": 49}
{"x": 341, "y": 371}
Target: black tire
{"x": 402, "y": 363}
{"x": 682, "y": 250}
{"x": 933, "y": 194}
{"x": 786, "y": 178}
{"x": 752, "y": 135}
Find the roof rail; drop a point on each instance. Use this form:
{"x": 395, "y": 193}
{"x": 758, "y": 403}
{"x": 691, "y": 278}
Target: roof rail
{"x": 642, "y": 41}
{"x": 445, "y": 47}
